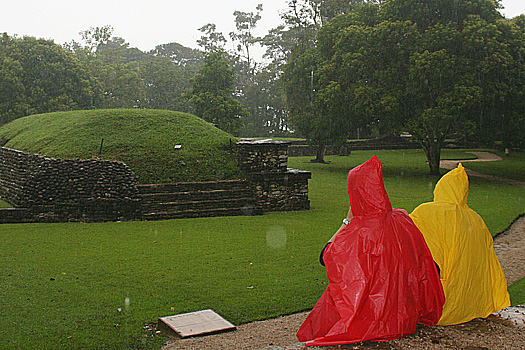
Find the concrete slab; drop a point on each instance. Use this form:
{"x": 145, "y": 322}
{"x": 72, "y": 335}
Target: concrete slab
{"x": 195, "y": 323}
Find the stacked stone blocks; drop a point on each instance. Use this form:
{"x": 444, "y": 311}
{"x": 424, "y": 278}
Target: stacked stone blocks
{"x": 277, "y": 187}
{"x": 57, "y": 190}
{"x": 45, "y": 189}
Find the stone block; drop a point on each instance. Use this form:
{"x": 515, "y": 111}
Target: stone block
{"x": 195, "y": 323}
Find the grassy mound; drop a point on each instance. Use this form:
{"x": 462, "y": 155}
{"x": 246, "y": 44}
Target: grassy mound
{"x": 159, "y": 146}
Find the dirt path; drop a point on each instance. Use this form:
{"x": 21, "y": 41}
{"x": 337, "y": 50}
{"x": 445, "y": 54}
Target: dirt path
{"x": 480, "y": 334}
{"x": 482, "y": 157}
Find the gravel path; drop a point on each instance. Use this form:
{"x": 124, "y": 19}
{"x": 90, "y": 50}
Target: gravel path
{"x": 506, "y": 331}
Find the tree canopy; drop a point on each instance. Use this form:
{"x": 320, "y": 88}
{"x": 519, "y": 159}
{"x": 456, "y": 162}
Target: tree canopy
{"x": 431, "y": 68}
{"x": 39, "y": 76}
{"x": 212, "y": 94}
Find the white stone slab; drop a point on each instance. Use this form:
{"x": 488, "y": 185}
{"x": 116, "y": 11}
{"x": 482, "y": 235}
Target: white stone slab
{"x": 196, "y": 323}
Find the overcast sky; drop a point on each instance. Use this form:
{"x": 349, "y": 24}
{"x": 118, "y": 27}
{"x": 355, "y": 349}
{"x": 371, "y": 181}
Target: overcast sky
{"x": 144, "y": 24}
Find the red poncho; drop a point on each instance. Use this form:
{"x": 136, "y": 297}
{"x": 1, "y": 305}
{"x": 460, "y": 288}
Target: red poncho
{"x": 383, "y": 281}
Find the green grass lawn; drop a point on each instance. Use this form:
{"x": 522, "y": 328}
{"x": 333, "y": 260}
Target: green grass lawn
{"x": 95, "y": 286}
{"x": 517, "y": 292}
{"x": 512, "y": 166}
{"x": 5, "y": 204}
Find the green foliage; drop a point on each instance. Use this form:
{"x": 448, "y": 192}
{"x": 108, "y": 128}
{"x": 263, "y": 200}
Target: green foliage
{"x": 143, "y": 139}
{"x": 119, "y": 75}
{"x": 212, "y": 94}
{"x": 300, "y": 82}
{"x": 39, "y": 76}
{"x": 178, "y": 54}
{"x": 517, "y": 293}
{"x": 245, "y": 23}
{"x": 166, "y": 84}
{"x": 131, "y": 78}
{"x": 64, "y": 284}
{"x": 211, "y": 39}
{"x": 431, "y": 68}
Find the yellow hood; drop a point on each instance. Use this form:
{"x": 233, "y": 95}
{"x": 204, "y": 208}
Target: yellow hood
{"x": 453, "y": 187}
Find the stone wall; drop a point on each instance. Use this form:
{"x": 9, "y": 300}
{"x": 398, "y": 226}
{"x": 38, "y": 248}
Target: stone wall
{"x": 45, "y": 189}
{"x": 277, "y": 187}
{"x": 262, "y": 156}
{"x": 282, "y": 191}
{"x": 57, "y": 190}
{"x": 15, "y": 216}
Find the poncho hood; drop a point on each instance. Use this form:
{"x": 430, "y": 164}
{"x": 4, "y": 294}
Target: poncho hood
{"x": 366, "y": 189}
{"x": 453, "y": 187}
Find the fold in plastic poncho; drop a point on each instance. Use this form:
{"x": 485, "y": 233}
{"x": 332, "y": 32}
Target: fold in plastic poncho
{"x": 461, "y": 244}
{"x": 382, "y": 279}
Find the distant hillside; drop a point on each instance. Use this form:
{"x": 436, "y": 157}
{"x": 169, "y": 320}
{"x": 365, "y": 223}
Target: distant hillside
{"x": 159, "y": 146}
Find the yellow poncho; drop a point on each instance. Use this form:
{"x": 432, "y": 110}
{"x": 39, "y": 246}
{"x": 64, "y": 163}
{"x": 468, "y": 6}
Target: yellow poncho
{"x": 461, "y": 244}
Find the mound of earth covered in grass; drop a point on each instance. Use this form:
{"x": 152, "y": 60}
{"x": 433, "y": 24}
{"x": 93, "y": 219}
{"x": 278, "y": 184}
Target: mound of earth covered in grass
{"x": 159, "y": 146}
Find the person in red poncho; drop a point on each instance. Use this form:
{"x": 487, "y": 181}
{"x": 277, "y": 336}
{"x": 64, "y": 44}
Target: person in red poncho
{"x": 382, "y": 279}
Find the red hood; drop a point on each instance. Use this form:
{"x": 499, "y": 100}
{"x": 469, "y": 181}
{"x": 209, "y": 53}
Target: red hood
{"x": 367, "y": 190}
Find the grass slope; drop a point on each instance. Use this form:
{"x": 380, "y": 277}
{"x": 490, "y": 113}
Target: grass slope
{"x": 143, "y": 139}
{"x": 63, "y": 284}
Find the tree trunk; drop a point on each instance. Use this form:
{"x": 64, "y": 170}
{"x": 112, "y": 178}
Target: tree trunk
{"x": 319, "y": 153}
{"x": 433, "y": 153}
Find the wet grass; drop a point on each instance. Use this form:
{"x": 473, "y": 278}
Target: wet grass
{"x": 517, "y": 292}
{"x": 5, "y": 205}
{"x": 512, "y": 166}
{"x": 95, "y": 286}
{"x": 408, "y": 184}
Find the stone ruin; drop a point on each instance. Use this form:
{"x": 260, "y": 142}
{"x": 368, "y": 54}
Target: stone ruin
{"x": 45, "y": 189}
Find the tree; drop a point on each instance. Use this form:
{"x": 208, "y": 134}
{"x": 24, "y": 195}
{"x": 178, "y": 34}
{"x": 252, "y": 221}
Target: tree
{"x": 39, "y": 76}
{"x": 211, "y": 38}
{"x": 432, "y": 68}
{"x": 178, "y": 54}
{"x": 166, "y": 84}
{"x": 131, "y": 78}
{"x": 320, "y": 101}
{"x": 93, "y": 37}
{"x": 118, "y": 68}
{"x": 212, "y": 95}
{"x": 245, "y": 23}
{"x": 311, "y": 106}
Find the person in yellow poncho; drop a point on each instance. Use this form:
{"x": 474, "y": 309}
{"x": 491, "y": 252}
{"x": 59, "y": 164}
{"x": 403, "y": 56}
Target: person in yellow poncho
{"x": 461, "y": 245}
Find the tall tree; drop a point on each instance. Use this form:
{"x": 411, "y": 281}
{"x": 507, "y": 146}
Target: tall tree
{"x": 166, "y": 84}
{"x": 317, "y": 99}
{"x": 178, "y": 54}
{"x": 211, "y": 38}
{"x": 131, "y": 78}
{"x": 212, "y": 95}
{"x": 39, "y": 76}
{"x": 245, "y": 23}
{"x": 118, "y": 68}
{"x": 310, "y": 109}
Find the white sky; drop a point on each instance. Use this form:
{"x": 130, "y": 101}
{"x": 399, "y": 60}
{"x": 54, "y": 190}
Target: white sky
{"x": 144, "y": 24}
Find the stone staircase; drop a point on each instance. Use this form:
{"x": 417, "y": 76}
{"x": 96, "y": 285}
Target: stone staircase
{"x": 197, "y": 199}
